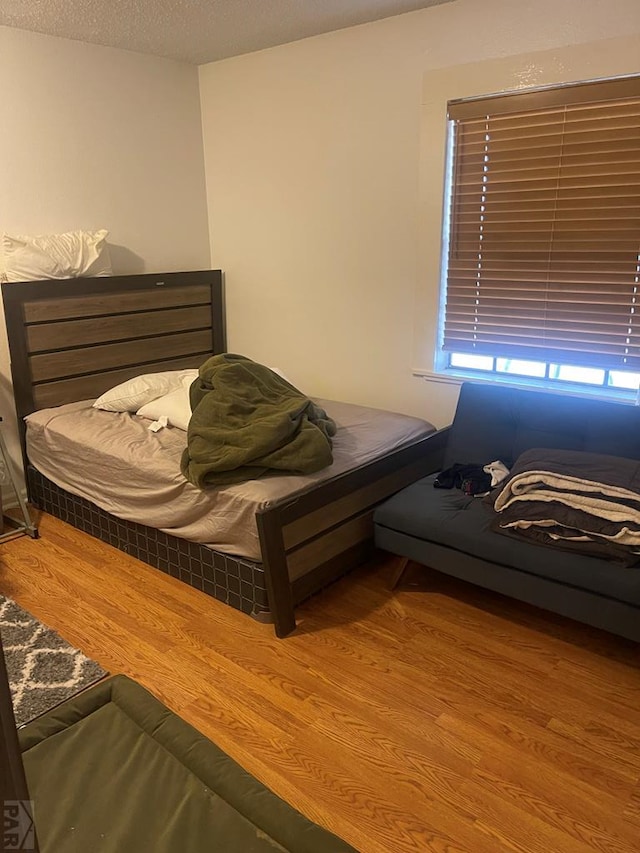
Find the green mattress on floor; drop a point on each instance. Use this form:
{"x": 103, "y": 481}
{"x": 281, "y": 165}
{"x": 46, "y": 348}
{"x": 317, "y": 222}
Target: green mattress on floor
{"x": 114, "y": 771}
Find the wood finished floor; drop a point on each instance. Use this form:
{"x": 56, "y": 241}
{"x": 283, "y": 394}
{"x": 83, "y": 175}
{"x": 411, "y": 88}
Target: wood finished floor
{"x": 438, "y": 717}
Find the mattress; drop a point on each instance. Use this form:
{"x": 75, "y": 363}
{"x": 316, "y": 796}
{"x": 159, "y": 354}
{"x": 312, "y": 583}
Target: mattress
{"x": 116, "y": 462}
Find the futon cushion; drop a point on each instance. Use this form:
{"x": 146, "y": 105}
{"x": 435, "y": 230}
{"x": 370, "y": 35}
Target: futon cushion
{"x": 494, "y": 422}
{"x": 450, "y": 518}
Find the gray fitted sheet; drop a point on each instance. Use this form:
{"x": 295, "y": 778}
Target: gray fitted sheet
{"x": 114, "y": 461}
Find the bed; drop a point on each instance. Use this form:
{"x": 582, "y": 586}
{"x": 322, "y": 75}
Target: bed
{"x": 72, "y": 340}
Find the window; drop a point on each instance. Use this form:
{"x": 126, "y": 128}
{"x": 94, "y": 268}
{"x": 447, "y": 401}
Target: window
{"x": 543, "y": 261}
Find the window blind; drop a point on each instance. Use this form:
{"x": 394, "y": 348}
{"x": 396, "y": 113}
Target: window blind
{"x": 544, "y": 239}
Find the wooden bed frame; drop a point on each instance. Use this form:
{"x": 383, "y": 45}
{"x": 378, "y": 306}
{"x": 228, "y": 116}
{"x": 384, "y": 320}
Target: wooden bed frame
{"x": 74, "y": 339}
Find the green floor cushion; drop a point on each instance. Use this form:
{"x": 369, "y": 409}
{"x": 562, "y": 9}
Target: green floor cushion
{"x": 114, "y": 771}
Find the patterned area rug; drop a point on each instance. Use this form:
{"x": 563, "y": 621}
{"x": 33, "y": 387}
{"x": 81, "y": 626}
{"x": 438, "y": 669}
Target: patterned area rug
{"x": 43, "y": 669}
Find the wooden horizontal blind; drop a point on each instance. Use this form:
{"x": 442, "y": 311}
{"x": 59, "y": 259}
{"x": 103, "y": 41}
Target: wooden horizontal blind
{"x": 544, "y": 251}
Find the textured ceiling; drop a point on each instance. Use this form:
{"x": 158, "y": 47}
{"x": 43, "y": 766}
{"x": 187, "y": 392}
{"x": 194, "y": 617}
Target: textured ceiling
{"x": 196, "y": 31}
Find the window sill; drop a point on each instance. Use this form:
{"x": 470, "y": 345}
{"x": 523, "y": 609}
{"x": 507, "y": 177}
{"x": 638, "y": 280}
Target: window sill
{"x": 458, "y": 376}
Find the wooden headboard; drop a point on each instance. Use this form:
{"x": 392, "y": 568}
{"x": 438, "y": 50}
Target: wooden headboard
{"x": 74, "y": 339}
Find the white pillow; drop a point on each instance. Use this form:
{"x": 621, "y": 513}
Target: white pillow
{"x": 281, "y": 374}
{"x": 68, "y": 255}
{"x": 175, "y": 407}
{"x": 131, "y": 395}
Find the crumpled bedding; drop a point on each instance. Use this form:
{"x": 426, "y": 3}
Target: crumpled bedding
{"x": 574, "y": 500}
{"x": 248, "y": 420}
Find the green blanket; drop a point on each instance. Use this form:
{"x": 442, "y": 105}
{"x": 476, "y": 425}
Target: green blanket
{"x": 247, "y": 420}
{"x": 114, "y": 771}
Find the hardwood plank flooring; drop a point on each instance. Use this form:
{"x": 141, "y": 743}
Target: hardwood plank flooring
{"x": 435, "y": 717}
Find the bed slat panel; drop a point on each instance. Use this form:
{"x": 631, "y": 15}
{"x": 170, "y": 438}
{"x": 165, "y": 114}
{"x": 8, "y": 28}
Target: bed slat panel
{"x": 93, "y": 305}
{"x": 315, "y": 522}
{"x": 326, "y": 573}
{"x": 58, "y": 365}
{"x": 88, "y": 387}
{"x": 329, "y": 545}
{"x": 52, "y": 336}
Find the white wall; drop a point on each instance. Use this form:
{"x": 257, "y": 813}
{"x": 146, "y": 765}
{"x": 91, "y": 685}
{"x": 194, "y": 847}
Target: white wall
{"x": 324, "y": 208}
{"x": 95, "y": 137}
